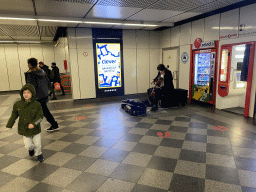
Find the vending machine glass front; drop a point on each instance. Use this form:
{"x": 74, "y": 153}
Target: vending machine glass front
{"x": 202, "y": 70}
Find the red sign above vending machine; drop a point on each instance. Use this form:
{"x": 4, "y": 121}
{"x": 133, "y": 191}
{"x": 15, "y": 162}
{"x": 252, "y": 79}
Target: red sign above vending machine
{"x": 203, "y": 45}
{"x": 197, "y": 43}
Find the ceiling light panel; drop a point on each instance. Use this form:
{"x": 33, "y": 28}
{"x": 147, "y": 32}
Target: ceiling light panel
{"x": 111, "y": 12}
{"x": 208, "y": 7}
{"x": 57, "y": 24}
{"x": 127, "y": 3}
{"x": 126, "y": 27}
{"x": 26, "y": 38}
{"x": 7, "y": 20}
{"x": 61, "y": 8}
{"x": 228, "y": 2}
{"x": 214, "y": 5}
{"x": 44, "y": 39}
{"x": 95, "y": 25}
{"x": 181, "y": 17}
{"x": 5, "y": 38}
{"x": 177, "y": 5}
{"x": 153, "y": 15}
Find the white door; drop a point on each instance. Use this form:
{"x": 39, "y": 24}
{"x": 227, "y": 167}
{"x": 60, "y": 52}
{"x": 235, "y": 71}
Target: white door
{"x": 170, "y": 58}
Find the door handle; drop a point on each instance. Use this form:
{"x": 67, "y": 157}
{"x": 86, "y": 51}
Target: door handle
{"x": 175, "y": 77}
{"x": 223, "y": 87}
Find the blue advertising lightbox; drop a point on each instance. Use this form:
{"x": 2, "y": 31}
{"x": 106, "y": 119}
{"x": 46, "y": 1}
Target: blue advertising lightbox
{"x": 108, "y": 65}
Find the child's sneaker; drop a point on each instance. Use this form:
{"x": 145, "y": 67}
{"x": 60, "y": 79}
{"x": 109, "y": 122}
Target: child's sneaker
{"x": 31, "y": 152}
{"x": 40, "y": 158}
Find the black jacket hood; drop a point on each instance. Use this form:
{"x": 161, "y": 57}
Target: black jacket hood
{"x": 39, "y": 72}
{"x": 31, "y": 88}
{"x": 44, "y": 67}
{"x": 39, "y": 79}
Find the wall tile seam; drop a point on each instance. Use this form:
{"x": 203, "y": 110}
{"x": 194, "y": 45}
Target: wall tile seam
{"x": 149, "y": 61}
{"x": 136, "y": 40}
{"x": 72, "y": 61}
{"x": 190, "y": 32}
{"x": 203, "y": 30}
{"x": 20, "y": 67}
{"x": 178, "y": 36}
{"x": 18, "y": 64}
{"x": 239, "y": 19}
{"x": 137, "y": 58}
{"x": 77, "y": 64}
{"x": 7, "y": 69}
{"x": 72, "y": 85}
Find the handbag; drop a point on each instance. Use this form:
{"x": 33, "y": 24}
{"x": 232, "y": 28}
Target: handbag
{"x": 57, "y": 86}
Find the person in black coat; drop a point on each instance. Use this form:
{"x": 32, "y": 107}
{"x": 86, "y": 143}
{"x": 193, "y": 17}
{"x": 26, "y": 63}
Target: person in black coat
{"x": 164, "y": 86}
{"x": 39, "y": 79}
{"x": 49, "y": 75}
{"x": 56, "y": 78}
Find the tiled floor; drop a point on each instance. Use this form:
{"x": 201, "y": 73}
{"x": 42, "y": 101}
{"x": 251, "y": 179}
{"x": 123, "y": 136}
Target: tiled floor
{"x": 101, "y": 148}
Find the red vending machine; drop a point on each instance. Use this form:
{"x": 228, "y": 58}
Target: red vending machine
{"x": 203, "y": 71}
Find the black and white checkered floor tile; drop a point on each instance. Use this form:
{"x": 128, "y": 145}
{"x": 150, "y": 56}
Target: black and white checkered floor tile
{"x": 101, "y": 148}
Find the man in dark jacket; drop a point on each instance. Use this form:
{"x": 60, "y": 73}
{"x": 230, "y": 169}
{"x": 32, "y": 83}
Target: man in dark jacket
{"x": 49, "y": 75}
{"x": 164, "y": 86}
{"x": 46, "y": 70}
{"x": 39, "y": 79}
{"x": 56, "y": 78}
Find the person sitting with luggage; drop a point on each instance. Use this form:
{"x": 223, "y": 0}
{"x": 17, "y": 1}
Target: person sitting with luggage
{"x": 163, "y": 86}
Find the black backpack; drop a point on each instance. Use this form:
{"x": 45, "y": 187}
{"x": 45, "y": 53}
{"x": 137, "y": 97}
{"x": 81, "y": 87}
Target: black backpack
{"x": 49, "y": 74}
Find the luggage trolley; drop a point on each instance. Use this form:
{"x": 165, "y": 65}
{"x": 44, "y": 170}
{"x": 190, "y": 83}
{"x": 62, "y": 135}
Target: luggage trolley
{"x": 64, "y": 80}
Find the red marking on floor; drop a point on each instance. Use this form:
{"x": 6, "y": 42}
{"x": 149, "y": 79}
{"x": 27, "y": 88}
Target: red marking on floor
{"x": 224, "y": 128}
{"x": 82, "y": 117}
{"x": 89, "y": 106}
{"x": 167, "y": 134}
{"x": 160, "y": 134}
{"x": 216, "y": 128}
{"x": 220, "y": 128}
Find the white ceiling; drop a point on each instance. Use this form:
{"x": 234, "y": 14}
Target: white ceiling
{"x": 159, "y": 12}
